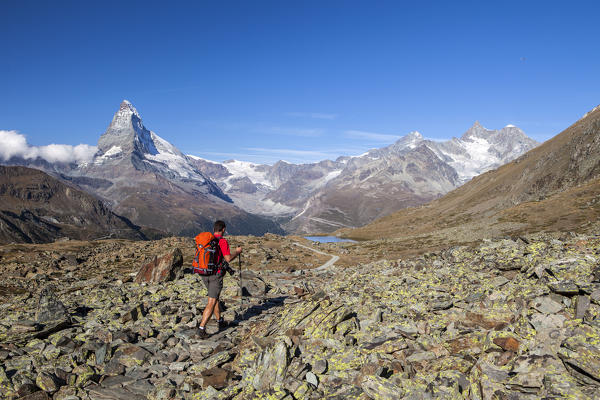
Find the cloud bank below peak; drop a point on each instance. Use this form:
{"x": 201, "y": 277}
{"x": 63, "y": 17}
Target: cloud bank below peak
{"x": 14, "y": 144}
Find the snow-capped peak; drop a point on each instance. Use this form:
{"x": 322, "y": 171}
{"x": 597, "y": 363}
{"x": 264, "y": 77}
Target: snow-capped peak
{"x": 127, "y": 108}
{"x": 410, "y": 141}
{"x": 127, "y": 131}
{"x": 476, "y": 131}
{"x": 481, "y": 149}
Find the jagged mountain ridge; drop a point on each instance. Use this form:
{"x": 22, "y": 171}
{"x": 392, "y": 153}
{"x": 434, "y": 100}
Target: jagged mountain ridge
{"x": 37, "y": 208}
{"x": 353, "y": 191}
{"x": 150, "y": 181}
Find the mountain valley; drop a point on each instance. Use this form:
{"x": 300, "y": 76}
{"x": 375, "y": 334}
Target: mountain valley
{"x": 353, "y": 191}
{"x": 146, "y": 179}
{"x": 491, "y": 291}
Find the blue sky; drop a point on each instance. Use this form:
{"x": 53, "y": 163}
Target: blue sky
{"x": 300, "y": 81}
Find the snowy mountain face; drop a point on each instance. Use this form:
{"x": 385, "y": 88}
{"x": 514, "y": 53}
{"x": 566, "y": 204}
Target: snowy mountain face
{"x": 127, "y": 136}
{"x": 480, "y": 149}
{"x": 274, "y": 190}
{"x": 352, "y": 191}
{"x": 126, "y": 133}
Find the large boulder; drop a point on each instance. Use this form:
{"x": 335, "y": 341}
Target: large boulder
{"x": 50, "y": 309}
{"x": 252, "y": 285}
{"x": 167, "y": 267}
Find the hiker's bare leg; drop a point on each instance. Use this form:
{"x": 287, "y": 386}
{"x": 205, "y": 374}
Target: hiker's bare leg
{"x": 217, "y": 311}
{"x": 208, "y": 311}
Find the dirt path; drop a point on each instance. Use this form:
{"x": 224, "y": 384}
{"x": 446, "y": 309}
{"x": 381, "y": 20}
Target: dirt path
{"x": 325, "y": 266}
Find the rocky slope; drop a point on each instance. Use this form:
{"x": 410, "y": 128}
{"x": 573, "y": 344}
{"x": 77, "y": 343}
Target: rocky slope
{"x": 553, "y": 187}
{"x": 505, "y": 319}
{"x": 37, "y": 208}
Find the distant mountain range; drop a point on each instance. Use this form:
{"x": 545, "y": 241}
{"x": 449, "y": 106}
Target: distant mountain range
{"x": 353, "y": 191}
{"x": 149, "y": 181}
{"x": 554, "y": 187}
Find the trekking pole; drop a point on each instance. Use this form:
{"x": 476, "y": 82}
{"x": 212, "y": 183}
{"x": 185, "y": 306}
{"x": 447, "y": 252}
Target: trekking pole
{"x": 241, "y": 287}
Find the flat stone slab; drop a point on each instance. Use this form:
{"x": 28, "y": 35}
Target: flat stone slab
{"x": 565, "y": 288}
{"x": 102, "y": 393}
{"x": 116, "y": 381}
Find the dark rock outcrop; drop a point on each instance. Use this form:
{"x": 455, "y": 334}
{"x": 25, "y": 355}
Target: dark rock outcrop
{"x": 167, "y": 267}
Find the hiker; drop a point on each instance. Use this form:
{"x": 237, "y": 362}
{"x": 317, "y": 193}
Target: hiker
{"x": 214, "y": 282}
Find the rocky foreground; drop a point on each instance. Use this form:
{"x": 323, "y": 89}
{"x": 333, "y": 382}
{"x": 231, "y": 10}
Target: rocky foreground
{"x": 509, "y": 319}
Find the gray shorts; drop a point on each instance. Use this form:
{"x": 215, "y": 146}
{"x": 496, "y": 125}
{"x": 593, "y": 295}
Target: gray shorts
{"x": 214, "y": 284}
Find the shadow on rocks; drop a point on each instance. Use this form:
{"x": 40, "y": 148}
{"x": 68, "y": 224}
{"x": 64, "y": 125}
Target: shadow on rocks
{"x": 257, "y": 309}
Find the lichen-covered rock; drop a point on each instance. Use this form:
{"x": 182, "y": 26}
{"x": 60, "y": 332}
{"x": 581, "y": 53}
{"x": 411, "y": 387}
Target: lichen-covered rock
{"x": 498, "y": 320}
{"x": 6, "y": 386}
{"x": 377, "y": 387}
{"x": 50, "y": 309}
{"x": 270, "y": 367}
{"x": 581, "y": 354}
{"x": 252, "y": 284}
{"x": 213, "y": 361}
{"x": 47, "y": 382}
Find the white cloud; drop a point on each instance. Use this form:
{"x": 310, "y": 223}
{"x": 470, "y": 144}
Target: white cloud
{"x": 372, "y": 136}
{"x": 312, "y": 115}
{"x": 12, "y": 144}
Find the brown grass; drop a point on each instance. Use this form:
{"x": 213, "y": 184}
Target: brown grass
{"x": 563, "y": 172}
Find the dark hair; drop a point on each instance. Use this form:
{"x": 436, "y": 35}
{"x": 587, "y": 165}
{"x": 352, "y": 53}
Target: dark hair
{"x": 219, "y": 226}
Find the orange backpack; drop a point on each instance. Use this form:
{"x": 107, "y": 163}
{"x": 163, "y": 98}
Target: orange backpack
{"x": 207, "y": 250}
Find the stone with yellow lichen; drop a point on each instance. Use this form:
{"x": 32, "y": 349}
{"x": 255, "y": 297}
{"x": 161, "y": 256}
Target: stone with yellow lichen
{"x": 564, "y": 386}
{"x": 47, "y": 382}
{"x": 395, "y": 317}
{"x": 581, "y": 354}
{"x": 6, "y": 386}
{"x": 211, "y": 393}
{"x": 270, "y": 366}
{"x": 215, "y": 360}
{"x": 379, "y": 388}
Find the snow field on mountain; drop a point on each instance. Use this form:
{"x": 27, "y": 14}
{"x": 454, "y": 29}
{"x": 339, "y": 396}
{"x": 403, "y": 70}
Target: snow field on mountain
{"x": 240, "y": 169}
{"x": 173, "y": 158}
{"x": 475, "y": 160}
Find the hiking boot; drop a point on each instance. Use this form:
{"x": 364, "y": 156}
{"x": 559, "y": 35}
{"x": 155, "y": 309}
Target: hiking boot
{"x": 202, "y": 334}
{"x": 223, "y": 324}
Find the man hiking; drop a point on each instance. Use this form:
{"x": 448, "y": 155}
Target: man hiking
{"x": 214, "y": 282}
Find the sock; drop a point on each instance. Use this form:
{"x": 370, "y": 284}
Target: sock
{"x": 201, "y": 327}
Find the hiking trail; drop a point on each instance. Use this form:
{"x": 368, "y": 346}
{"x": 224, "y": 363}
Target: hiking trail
{"x": 325, "y": 266}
